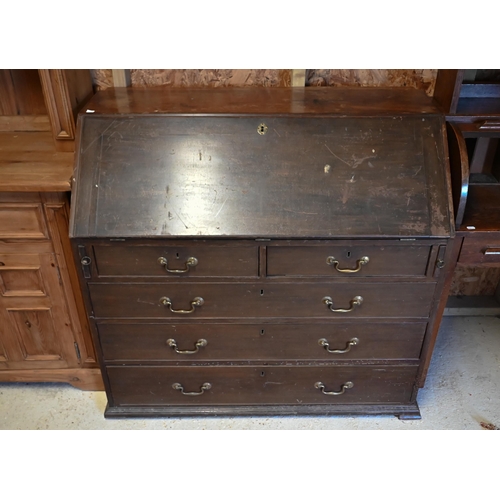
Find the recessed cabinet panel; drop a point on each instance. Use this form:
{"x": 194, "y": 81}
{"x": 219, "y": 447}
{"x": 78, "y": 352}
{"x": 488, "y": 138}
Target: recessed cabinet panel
{"x": 20, "y": 275}
{"x": 37, "y": 334}
{"x": 18, "y": 221}
{"x": 3, "y": 352}
{"x": 21, "y": 282}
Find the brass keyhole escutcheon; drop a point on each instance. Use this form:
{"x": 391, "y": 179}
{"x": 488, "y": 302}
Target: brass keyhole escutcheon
{"x": 262, "y": 129}
{"x": 86, "y": 261}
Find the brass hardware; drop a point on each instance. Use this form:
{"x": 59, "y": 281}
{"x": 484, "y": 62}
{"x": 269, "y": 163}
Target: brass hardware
{"x": 205, "y": 387}
{"x": 332, "y": 261}
{"x": 197, "y": 301}
{"x": 199, "y": 343}
{"x": 262, "y": 129}
{"x": 324, "y": 343}
{"x": 77, "y": 350}
{"x": 491, "y": 251}
{"x": 86, "y": 261}
{"x": 440, "y": 263}
{"x": 191, "y": 262}
{"x": 356, "y": 301}
{"x": 490, "y": 125}
{"x": 321, "y": 386}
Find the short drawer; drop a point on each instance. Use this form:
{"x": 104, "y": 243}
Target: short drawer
{"x": 223, "y": 342}
{"x": 311, "y": 300}
{"x": 188, "y": 261}
{"x": 481, "y": 250}
{"x": 213, "y": 385}
{"x": 340, "y": 260}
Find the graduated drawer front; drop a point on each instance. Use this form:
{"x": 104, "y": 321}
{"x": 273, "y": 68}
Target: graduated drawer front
{"x": 223, "y": 342}
{"x": 212, "y": 261}
{"x": 153, "y": 386}
{"x": 265, "y": 301}
{"x": 481, "y": 250}
{"x": 334, "y": 260}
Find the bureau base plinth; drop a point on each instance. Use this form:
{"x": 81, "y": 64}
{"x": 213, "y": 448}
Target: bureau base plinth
{"x": 403, "y": 412}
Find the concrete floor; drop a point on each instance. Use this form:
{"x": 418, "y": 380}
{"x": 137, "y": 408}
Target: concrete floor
{"x": 462, "y": 392}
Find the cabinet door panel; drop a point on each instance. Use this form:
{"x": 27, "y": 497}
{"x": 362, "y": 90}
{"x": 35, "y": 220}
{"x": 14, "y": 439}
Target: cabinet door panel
{"x": 20, "y": 275}
{"x": 19, "y": 220}
{"x": 35, "y": 328}
{"x": 36, "y": 334}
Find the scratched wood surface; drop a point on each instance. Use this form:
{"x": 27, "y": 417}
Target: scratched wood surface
{"x": 156, "y": 176}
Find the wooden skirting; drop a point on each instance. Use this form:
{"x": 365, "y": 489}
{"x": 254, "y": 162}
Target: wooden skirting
{"x": 85, "y": 379}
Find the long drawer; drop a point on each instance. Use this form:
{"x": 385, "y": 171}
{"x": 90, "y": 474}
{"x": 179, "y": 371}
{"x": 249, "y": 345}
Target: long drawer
{"x": 223, "y": 342}
{"x": 176, "y": 261}
{"x": 311, "y": 300}
{"x": 340, "y": 259}
{"x": 156, "y": 386}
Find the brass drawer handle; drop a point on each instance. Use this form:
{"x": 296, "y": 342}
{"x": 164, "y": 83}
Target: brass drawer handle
{"x": 356, "y": 301}
{"x": 196, "y": 302}
{"x": 191, "y": 262}
{"x": 320, "y": 385}
{"x": 205, "y": 387}
{"x": 199, "y": 343}
{"x": 332, "y": 261}
{"x": 324, "y": 343}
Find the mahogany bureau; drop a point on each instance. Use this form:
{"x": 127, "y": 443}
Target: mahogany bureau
{"x": 262, "y": 251}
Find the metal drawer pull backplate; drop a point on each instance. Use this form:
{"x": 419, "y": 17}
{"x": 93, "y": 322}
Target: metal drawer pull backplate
{"x": 491, "y": 251}
{"x": 324, "y": 343}
{"x": 205, "y": 387}
{"x": 199, "y": 343}
{"x": 321, "y": 386}
{"x": 332, "y": 261}
{"x": 191, "y": 262}
{"x": 356, "y": 301}
{"x": 196, "y": 302}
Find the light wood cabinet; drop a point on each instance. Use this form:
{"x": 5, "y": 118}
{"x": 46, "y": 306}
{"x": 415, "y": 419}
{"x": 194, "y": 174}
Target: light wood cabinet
{"x": 44, "y": 334}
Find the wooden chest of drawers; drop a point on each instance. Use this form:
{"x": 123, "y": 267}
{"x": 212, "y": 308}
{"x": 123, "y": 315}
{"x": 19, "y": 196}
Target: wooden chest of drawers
{"x": 249, "y": 252}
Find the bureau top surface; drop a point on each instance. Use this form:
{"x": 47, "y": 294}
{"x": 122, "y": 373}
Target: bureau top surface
{"x": 261, "y": 173}
{"x": 262, "y": 100}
